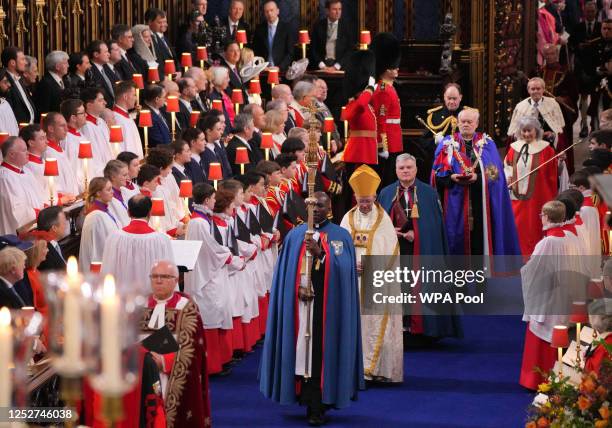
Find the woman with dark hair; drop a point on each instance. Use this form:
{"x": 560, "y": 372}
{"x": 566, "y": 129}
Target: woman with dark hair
{"x": 213, "y": 131}
{"x": 99, "y": 222}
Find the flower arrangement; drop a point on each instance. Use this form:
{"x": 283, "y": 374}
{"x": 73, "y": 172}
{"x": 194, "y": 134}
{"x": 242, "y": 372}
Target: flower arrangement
{"x": 587, "y": 405}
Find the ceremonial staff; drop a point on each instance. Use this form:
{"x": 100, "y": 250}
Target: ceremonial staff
{"x": 312, "y": 161}
{"x": 540, "y": 166}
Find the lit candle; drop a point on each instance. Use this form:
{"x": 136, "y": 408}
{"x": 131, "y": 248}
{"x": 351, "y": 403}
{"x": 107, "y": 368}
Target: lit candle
{"x": 6, "y": 357}
{"x": 72, "y": 314}
{"x": 111, "y": 332}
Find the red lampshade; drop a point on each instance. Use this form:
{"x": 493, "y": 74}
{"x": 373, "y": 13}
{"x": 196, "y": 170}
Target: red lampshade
{"x": 273, "y": 75}
{"x": 3, "y": 137}
{"x": 237, "y": 96}
{"x": 214, "y": 171}
{"x": 116, "y": 134}
{"x": 169, "y": 67}
{"x": 95, "y": 267}
{"x": 579, "y": 313}
{"x": 201, "y": 53}
{"x": 186, "y": 59}
{"x": 365, "y": 38}
{"x": 266, "y": 140}
{"x": 343, "y": 113}
{"x": 138, "y": 80}
{"x": 304, "y": 37}
{"x": 186, "y": 189}
{"x": 217, "y": 105}
{"x": 153, "y": 74}
{"x": 51, "y": 167}
{"x": 158, "y": 207}
{"x": 241, "y": 36}
{"x": 328, "y": 125}
{"x": 23, "y": 125}
{"x": 172, "y": 104}
{"x": 194, "y": 117}
{"x": 560, "y": 337}
{"x": 85, "y": 150}
{"x": 242, "y": 155}
{"x": 254, "y": 87}
{"x": 145, "y": 119}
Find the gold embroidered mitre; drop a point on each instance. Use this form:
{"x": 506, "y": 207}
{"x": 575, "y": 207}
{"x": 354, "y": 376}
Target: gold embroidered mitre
{"x": 364, "y": 181}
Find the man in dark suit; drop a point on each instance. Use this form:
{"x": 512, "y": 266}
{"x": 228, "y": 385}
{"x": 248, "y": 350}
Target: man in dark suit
{"x": 52, "y": 220}
{"x": 230, "y": 60}
{"x": 50, "y": 89}
{"x": 185, "y": 39}
{"x": 188, "y": 91}
{"x": 101, "y": 74}
{"x": 122, "y": 34}
{"x": 259, "y": 122}
{"x": 158, "y": 23}
{"x": 181, "y": 154}
{"x": 196, "y": 168}
{"x": 12, "y": 268}
{"x": 332, "y": 39}
{"x": 273, "y": 40}
{"x": 20, "y": 101}
{"x": 154, "y": 97}
{"x": 583, "y": 44}
{"x": 243, "y": 133}
{"x": 234, "y": 20}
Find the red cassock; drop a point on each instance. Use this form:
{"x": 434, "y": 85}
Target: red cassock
{"x": 388, "y": 112}
{"x": 595, "y": 359}
{"x": 361, "y": 146}
{"x": 530, "y": 194}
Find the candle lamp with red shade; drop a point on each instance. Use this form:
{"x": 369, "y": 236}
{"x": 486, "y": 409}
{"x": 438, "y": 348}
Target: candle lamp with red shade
{"x": 215, "y": 173}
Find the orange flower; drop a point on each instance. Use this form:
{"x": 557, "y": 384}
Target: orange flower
{"x": 601, "y": 424}
{"x": 601, "y": 392}
{"x": 584, "y": 403}
{"x": 531, "y": 424}
{"x": 543, "y": 422}
{"x": 604, "y": 411}
{"x": 588, "y": 385}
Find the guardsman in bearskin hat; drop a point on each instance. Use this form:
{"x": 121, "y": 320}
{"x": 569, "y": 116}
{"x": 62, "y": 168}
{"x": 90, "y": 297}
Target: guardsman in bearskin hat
{"x": 386, "y": 102}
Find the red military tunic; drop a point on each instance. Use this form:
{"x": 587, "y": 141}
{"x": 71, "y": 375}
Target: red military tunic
{"x": 388, "y": 112}
{"x": 361, "y": 146}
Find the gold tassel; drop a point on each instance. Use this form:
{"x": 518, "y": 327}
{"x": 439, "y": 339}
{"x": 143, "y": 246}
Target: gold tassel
{"x": 414, "y": 212}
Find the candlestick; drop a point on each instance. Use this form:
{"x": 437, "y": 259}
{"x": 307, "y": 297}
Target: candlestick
{"x": 345, "y": 122}
{"x": 6, "y": 357}
{"x": 111, "y": 329}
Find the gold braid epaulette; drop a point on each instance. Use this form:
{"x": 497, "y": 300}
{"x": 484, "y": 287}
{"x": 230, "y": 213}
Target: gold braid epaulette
{"x": 442, "y": 127}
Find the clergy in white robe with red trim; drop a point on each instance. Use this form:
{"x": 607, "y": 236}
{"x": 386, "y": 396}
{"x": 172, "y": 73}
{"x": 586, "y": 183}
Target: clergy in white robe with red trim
{"x": 67, "y": 182}
{"x": 71, "y": 148}
{"x": 130, "y": 253}
{"x": 96, "y": 131}
{"x": 131, "y": 137}
{"x": 20, "y": 198}
{"x": 98, "y": 226}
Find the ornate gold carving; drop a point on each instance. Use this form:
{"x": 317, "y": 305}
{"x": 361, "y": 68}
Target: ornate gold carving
{"x": 21, "y": 27}
{"x": 3, "y": 35}
{"x": 58, "y": 16}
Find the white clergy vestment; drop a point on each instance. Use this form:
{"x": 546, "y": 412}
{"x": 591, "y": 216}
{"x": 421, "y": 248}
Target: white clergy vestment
{"x": 19, "y": 199}
{"x": 131, "y": 137}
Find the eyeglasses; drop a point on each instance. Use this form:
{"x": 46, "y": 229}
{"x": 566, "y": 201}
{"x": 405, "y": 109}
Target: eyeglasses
{"x": 154, "y": 277}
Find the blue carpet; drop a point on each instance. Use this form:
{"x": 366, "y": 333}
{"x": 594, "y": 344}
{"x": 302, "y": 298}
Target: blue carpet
{"x": 459, "y": 383}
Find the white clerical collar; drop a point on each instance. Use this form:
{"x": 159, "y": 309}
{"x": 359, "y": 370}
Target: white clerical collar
{"x": 180, "y": 167}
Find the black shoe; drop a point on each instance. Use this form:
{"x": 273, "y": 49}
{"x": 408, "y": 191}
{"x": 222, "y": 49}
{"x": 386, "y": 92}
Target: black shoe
{"x": 316, "y": 420}
{"x": 584, "y": 132}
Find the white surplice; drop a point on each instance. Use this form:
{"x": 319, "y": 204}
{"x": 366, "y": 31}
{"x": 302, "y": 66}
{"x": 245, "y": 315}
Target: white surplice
{"x": 98, "y": 226}
{"x": 99, "y": 136}
{"x": 382, "y": 335}
{"x": 131, "y": 137}
{"x": 20, "y": 197}
{"x": 129, "y": 258}
{"x": 207, "y": 283}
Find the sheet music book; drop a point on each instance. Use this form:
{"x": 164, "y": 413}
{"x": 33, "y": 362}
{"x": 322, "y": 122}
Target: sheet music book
{"x": 185, "y": 252}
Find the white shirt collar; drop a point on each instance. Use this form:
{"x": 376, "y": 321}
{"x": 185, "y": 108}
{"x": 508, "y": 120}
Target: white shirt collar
{"x": 232, "y": 23}
{"x": 156, "y": 111}
{"x": 196, "y": 157}
{"x": 99, "y": 67}
{"x": 6, "y": 281}
{"x": 56, "y": 77}
{"x": 274, "y": 24}
{"x": 179, "y": 167}
{"x": 245, "y": 142}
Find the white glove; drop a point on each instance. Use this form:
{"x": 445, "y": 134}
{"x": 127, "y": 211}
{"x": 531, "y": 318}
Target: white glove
{"x": 438, "y": 137}
{"x": 372, "y": 82}
{"x": 384, "y": 155}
